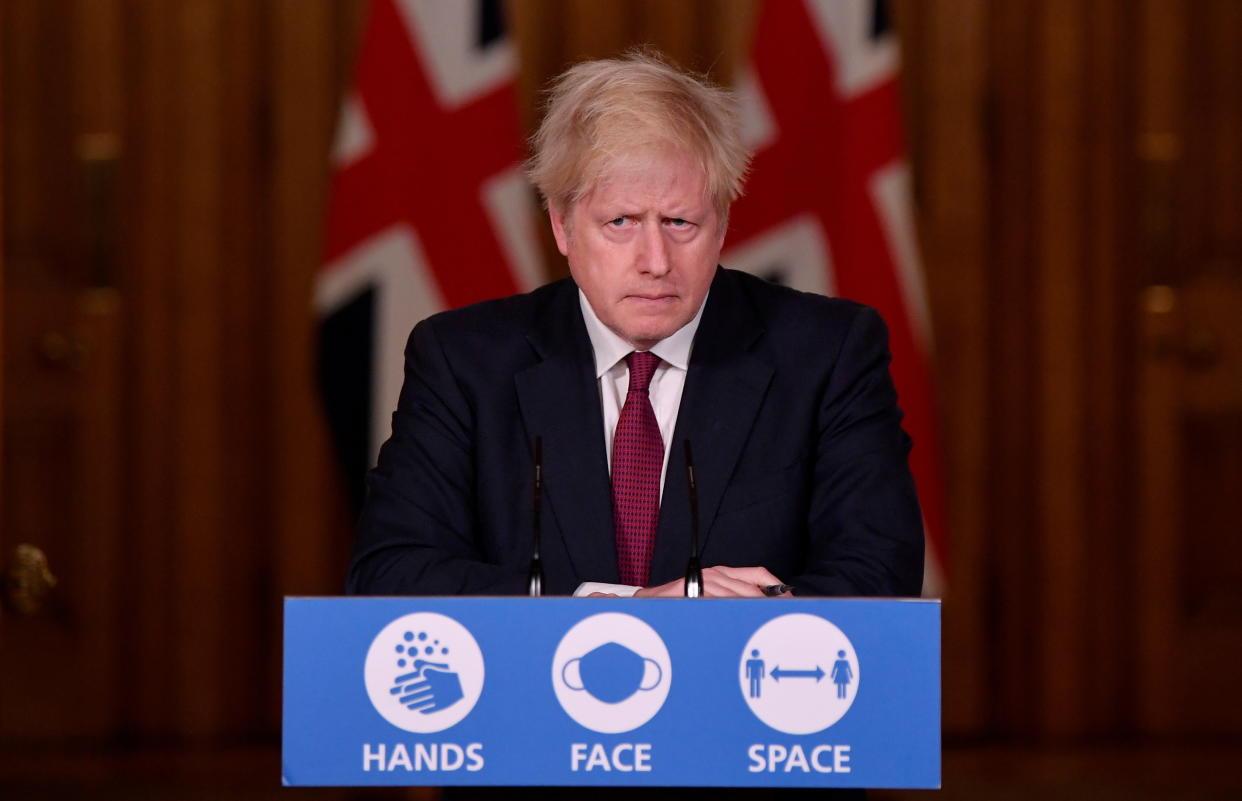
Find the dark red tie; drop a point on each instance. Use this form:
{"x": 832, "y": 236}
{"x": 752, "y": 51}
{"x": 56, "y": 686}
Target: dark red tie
{"x": 637, "y": 458}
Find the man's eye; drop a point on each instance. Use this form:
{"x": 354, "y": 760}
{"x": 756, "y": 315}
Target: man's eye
{"x": 678, "y": 222}
{"x": 617, "y": 222}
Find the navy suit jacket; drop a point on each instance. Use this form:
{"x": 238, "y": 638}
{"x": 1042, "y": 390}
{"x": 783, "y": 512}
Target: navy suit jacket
{"x": 801, "y": 462}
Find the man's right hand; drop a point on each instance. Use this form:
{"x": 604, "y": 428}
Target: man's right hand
{"x": 719, "y": 582}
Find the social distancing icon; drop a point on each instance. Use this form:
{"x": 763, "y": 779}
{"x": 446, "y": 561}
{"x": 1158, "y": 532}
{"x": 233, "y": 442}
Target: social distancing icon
{"x": 799, "y": 673}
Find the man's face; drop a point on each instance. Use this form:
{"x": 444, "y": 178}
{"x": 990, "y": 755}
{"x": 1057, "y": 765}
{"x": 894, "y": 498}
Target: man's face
{"x": 643, "y": 245}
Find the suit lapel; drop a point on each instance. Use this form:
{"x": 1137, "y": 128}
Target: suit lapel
{"x": 724, "y": 391}
{"x": 559, "y": 400}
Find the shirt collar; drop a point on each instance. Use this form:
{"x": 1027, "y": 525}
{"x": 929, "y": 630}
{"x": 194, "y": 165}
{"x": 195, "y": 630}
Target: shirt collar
{"x": 610, "y": 348}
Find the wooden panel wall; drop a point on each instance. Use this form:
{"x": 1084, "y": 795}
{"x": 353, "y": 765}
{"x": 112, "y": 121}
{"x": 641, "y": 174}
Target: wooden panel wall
{"x": 1019, "y": 138}
{"x": 1104, "y": 137}
{"x": 1190, "y": 555}
{"x": 229, "y": 120}
{"x": 948, "y": 149}
{"x": 61, "y": 357}
{"x": 3, "y": 248}
{"x": 170, "y": 180}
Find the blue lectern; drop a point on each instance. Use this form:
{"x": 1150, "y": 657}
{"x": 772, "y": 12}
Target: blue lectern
{"x": 566, "y": 691}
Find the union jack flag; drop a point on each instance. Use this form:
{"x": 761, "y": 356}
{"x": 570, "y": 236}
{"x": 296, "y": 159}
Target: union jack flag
{"x": 828, "y": 206}
{"x": 429, "y": 209}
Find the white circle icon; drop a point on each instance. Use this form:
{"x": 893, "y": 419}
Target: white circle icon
{"x": 799, "y": 673}
{"x": 611, "y": 672}
{"x": 424, "y": 672}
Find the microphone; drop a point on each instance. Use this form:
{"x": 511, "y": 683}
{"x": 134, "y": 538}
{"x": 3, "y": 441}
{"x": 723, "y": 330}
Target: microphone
{"x": 534, "y": 579}
{"x": 694, "y": 572}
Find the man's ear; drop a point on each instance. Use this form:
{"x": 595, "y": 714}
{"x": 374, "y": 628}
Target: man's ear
{"x": 557, "y": 215}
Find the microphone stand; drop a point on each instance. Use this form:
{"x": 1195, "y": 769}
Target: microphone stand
{"x": 534, "y": 580}
{"x": 694, "y": 572}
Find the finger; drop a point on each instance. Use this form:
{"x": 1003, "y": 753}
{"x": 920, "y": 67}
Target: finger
{"x": 673, "y": 589}
{"x": 735, "y": 590}
{"x": 415, "y": 697}
{"x": 758, "y": 575}
{"x": 719, "y": 585}
{"x": 418, "y": 687}
{"x": 603, "y": 595}
{"x": 732, "y": 584}
{"x": 426, "y": 705}
{"x": 414, "y": 703}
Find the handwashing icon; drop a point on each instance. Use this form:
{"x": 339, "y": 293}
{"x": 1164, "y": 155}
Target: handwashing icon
{"x": 612, "y": 673}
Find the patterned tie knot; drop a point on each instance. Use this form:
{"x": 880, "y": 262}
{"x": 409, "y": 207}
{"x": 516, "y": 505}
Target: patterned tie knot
{"x": 642, "y": 365}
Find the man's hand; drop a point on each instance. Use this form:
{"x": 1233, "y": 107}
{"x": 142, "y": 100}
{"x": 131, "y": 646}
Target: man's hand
{"x": 720, "y": 582}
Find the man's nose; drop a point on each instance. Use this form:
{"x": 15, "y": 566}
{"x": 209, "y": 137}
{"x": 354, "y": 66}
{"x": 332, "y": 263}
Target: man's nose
{"x": 654, "y": 258}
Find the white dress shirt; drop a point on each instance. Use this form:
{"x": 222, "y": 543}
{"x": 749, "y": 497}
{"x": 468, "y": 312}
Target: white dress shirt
{"x": 612, "y": 376}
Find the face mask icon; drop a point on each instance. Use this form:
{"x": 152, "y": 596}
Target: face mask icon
{"x": 611, "y": 673}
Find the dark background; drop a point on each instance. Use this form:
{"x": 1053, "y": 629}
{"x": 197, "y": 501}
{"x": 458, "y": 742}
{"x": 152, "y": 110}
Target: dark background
{"x": 1078, "y": 176}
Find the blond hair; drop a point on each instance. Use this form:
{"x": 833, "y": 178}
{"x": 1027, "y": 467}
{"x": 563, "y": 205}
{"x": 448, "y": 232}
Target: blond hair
{"x": 601, "y": 111}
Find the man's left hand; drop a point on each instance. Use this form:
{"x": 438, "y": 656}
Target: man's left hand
{"x": 720, "y": 581}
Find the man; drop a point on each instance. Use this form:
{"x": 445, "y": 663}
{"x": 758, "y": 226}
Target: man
{"x": 785, "y": 396}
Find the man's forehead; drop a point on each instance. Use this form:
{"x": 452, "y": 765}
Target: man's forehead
{"x": 645, "y": 158}
{"x": 653, "y": 177}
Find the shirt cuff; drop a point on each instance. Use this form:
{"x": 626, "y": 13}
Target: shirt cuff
{"x": 588, "y": 587}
